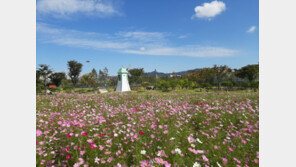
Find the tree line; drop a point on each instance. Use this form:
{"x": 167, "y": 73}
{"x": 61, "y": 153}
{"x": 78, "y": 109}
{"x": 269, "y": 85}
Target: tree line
{"x": 215, "y": 77}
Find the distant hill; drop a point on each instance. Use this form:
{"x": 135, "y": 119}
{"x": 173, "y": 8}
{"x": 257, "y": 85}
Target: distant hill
{"x": 168, "y": 74}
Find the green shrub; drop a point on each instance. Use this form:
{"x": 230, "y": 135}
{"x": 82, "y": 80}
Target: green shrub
{"x": 145, "y": 84}
{"x": 55, "y": 89}
{"x": 206, "y": 85}
{"x": 255, "y": 84}
{"x": 39, "y": 89}
{"x": 163, "y": 85}
{"x": 68, "y": 88}
{"x": 227, "y": 83}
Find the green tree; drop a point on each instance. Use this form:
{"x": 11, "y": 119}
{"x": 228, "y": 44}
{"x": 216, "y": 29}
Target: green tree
{"x": 184, "y": 83}
{"x": 173, "y": 83}
{"x": 221, "y": 74}
{"x": 89, "y": 80}
{"x": 57, "y": 78}
{"x": 163, "y": 85}
{"x": 38, "y": 80}
{"x": 74, "y": 71}
{"x": 202, "y": 76}
{"x": 251, "y": 72}
{"x": 44, "y": 71}
{"x": 103, "y": 77}
{"x": 136, "y": 74}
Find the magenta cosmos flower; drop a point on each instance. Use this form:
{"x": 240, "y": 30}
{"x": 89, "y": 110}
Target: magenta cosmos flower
{"x": 38, "y": 132}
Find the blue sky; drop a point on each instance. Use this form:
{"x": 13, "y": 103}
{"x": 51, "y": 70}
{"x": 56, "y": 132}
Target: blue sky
{"x": 167, "y": 35}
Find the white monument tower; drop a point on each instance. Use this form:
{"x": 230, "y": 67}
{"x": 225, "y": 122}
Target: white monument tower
{"x": 122, "y": 84}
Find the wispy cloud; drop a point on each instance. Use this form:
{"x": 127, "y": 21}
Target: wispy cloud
{"x": 187, "y": 50}
{"x": 251, "y": 29}
{"x": 209, "y": 10}
{"x": 132, "y": 42}
{"x": 65, "y": 8}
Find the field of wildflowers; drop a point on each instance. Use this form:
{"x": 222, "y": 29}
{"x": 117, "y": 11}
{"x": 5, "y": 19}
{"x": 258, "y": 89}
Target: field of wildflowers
{"x": 148, "y": 129}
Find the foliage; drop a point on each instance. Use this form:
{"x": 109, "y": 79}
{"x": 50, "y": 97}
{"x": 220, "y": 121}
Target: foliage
{"x": 89, "y": 79}
{"x": 227, "y": 84}
{"x": 74, "y": 68}
{"x": 55, "y": 89}
{"x": 40, "y": 89}
{"x": 135, "y": 75}
{"x": 103, "y": 77}
{"x": 57, "y": 78}
{"x": 68, "y": 88}
{"x": 145, "y": 84}
{"x": 221, "y": 74}
{"x": 44, "y": 71}
{"x": 251, "y": 72}
{"x": 184, "y": 83}
{"x": 206, "y": 85}
{"x": 163, "y": 85}
{"x": 255, "y": 84}
{"x": 202, "y": 76}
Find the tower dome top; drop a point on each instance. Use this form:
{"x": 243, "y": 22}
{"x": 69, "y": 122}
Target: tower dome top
{"x": 122, "y": 70}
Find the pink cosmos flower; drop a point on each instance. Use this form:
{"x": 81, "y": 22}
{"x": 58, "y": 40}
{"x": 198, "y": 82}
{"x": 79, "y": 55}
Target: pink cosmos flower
{"x": 144, "y": 163}
{"x": 256, "y": 161}
{"x": 135, "y": 109}
{"x": 68, "y": 156}
{"x": 230, "y": 149}
{"x": 141, "y": 132}
{"x": 38, "y": 132}
{"x": 205, "y": 158}
{"x": 191, "y": 139}
{"x": 92, "y": 145}
{"x": 224, "y": 160}
{"x": 238, "y": 161}
{"x": 83, "y": 133}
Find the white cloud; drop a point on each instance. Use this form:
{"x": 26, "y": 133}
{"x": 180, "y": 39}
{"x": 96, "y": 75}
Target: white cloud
{"x": 251, "y": 29}
{"x": 143, "y": 36}
{"x": 67, "y": 7}
{"x": 209, "y": 10}
{"x": 137, "y": 42}
{"x": 182, "y": 36}
{"x": 188, "y": 51}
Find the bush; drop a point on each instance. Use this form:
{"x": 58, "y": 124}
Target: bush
{"x": 227, "y": 83}
{"x": 163, "y": 85}
{"x": 206, "y": 85}
{"x": 245, "y": 84}
{"x": 138, "y": 88}
{"x": 145, "y": 84}
{"x": 55, "y": 89}
{"x": 255, "y": 84}
{"x": 40, "y": 89}
{"x": 68, "y": 88}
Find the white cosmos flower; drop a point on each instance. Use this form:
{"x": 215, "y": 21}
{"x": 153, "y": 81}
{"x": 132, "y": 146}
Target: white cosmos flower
{"x": 172, "y": 138}
{"x": 197, "y": 139}
{"x": 115, "y": 134}
{"x": 196, "y": 164}
{"x": 178, "y": 151}
{"x": 218, "y": 164}
{"x": 97, "y": 160}
{"x": 158, "y": 153}
{"x": 143, "y": 152}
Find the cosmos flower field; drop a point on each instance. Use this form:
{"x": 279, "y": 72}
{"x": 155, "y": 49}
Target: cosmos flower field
{"x": 148, "y": 129}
